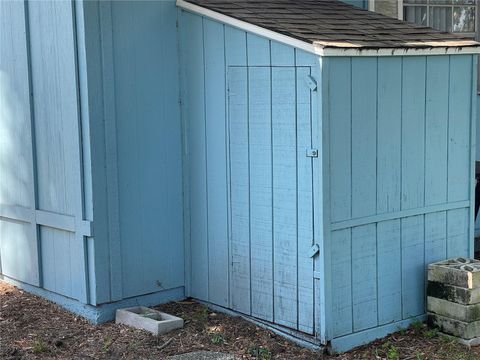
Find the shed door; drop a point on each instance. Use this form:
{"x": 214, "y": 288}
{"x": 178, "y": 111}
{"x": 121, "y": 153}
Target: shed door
{"x": 271, "y": 199}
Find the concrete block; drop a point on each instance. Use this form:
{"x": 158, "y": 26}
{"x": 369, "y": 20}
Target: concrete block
{"x": 151, "y": 320}
{"x": 461, "y": 329}
{"x": 469, "y": 343}
{"x": 459, "y": 272}
{"x": 453, "y": 293}
{"x": 466, "y": 313}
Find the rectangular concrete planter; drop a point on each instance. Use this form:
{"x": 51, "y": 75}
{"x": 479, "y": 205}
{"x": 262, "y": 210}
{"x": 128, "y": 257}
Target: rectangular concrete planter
{"x": 151, "y": 320}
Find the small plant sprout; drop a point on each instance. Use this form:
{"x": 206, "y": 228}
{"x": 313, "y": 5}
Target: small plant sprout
{"x": 40, "y": 346}
{"x": 218, "y": 339}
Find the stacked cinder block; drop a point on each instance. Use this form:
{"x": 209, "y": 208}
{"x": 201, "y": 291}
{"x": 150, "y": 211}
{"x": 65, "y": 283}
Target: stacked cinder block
{"x": 453, "y": 301}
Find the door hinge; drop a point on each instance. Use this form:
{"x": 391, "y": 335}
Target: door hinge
{"x": 311, "y": 82}
{"x": 317, "y": 275}
{"x": 312, "y": 153}
{"x": 314, "y": 250}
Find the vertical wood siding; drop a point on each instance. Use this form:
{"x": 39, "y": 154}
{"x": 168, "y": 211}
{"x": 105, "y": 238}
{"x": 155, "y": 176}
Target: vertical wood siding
{"x": 248, "y": 176}
{"x": 43, "y": 213}
{"x": 400, "y": 170}
{"x": 18, "y": 240}
{"x": 148, "y": 140}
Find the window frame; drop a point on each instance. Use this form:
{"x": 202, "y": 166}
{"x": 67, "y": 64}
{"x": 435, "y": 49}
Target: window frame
{"x": 429, "y": 5}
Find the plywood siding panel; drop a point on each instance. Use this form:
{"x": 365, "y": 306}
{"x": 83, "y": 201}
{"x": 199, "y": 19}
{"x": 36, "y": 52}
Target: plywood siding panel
{"x": 55, "y": 103}
{"x": 340, "y": 139}
{"x": 342, "y": 256}
{"x": 395, "y": 129}
{"x": 148, "y": 136}
{"x": 364, "y": 145}
{"x": 235, "y": 47}
{"x": 364, "y": 277}
{"x": 19, "y": 259}
{"x": 261, "y": 193}
{"x": 435, "y": 237}
{"x": 284, "y": 196}
{"x": 258, "y": 50}
{"x": 18, "y": 241}
{"x": 305, "y": 202}
{"x": 282, "y": 55}
{"x": 195, "y": 110}
{"x": 459, "y": 127}
{"x": 413, "y": 132}
{"x": 436, "y": 128}
{"x": 216, "y": 142}
{"x": 389, "y": 134}
{"x": 15, "y": 120}
{"x": 458, "y": 237}
{"x": 389, "y": 272}
{"x": 413, "y": 266}
{"x": 240, "y": 188}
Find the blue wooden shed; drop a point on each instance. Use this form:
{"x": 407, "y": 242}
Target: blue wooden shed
{"x": 298, "y": 162}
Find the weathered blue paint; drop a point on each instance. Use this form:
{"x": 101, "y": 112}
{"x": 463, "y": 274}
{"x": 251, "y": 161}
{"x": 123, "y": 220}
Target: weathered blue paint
{"x": 263, "y": 130}
{"x": 416, "y": 202}
{"x": 153, "y": 163}
{"x": 75, "y": 191}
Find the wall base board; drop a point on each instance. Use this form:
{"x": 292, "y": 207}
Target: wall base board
{"x": 104, "y": 312}
{"x": 349, "y": 342}
{"x": 296, "y": 337}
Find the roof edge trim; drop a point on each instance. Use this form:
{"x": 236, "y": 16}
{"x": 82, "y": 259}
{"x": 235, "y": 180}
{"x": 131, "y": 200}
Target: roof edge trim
{"x": 419, "y": 51}
{"x": 322, "y": 50}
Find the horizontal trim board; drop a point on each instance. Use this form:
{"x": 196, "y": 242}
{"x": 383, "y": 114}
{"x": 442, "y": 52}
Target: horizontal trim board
{"x": 56, "y": 221}
{"x": 18, "y": 213}
{"x": 349, "y": 342}
{"x": 398, "y": 215}
{"x": 318, "y": 49}
{"x": 46, "y": 218}
{"x": 102, "y": 313}
{"x": 424, "y": 51}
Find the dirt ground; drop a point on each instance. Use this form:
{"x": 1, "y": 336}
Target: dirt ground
{"x": 33, "y": 328}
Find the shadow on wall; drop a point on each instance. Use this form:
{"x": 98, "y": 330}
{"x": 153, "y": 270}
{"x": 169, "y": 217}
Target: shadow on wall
{"x": 18, "y": 258}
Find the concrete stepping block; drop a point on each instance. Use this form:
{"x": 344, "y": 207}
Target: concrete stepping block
{"x": 453, "y": 293}
{"x": 466, "y": 313}
{"x": 459, "y": 272}
{"x": 151, "y": 320}
{"x": 203, "y": 355}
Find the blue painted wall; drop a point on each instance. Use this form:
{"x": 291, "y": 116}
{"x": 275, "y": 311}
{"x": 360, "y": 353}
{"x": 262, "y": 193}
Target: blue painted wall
{"x": 249, "y": 182}
{"x": 363, "y": 4}
{"x": 400, "y": 181}
{"x": 136, "y": 147}
{"x": 43, "y": 211}
{"x": 98, "y": 149}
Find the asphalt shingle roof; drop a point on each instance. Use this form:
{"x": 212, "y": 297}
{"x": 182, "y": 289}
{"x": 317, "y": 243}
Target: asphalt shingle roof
{"x": 333, "y": 24}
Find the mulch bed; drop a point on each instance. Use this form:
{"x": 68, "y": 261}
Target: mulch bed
{"x": 32, "y": 328}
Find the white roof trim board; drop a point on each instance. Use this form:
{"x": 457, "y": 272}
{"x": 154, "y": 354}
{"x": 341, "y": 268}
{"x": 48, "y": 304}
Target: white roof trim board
{"x": 317, "y": 47}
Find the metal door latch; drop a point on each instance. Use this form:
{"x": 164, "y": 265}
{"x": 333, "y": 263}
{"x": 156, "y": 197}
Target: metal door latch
{"x": 312, "y": 153}
{"x": 314, "y": 250}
